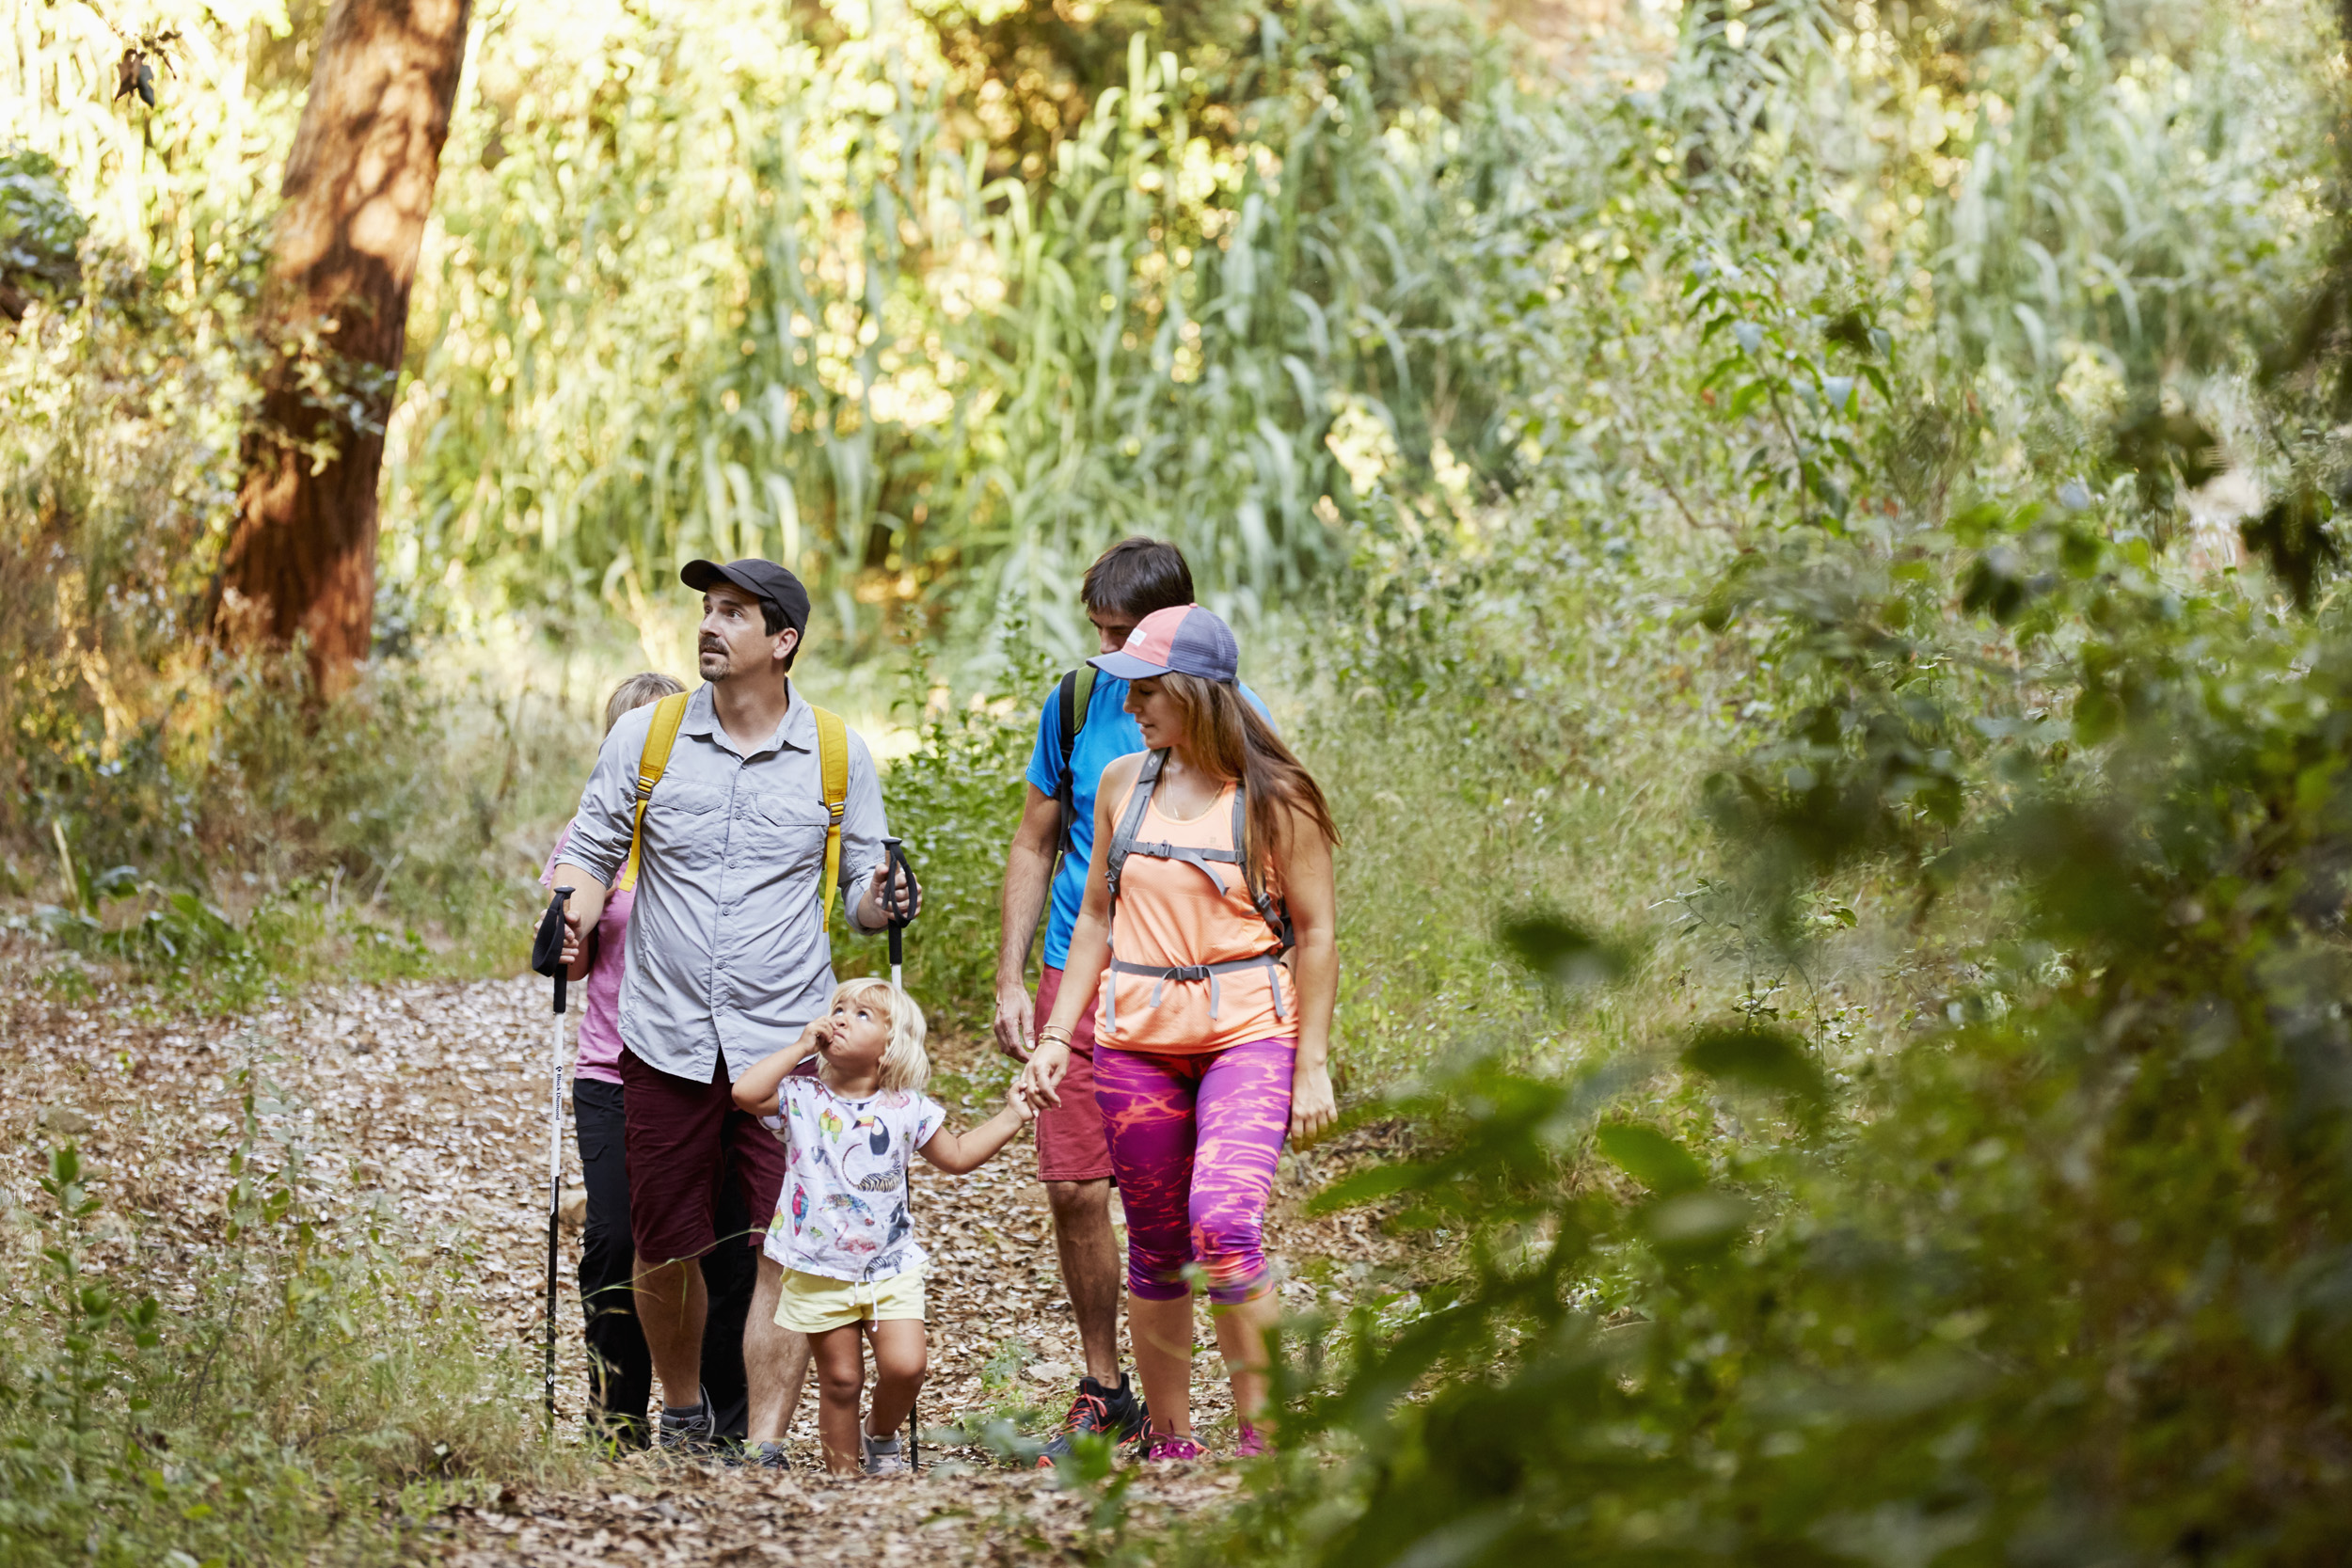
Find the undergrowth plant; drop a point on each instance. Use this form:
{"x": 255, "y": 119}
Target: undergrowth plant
{"x": 305, "y": 1385}
{"x": 2045, "y": 1267}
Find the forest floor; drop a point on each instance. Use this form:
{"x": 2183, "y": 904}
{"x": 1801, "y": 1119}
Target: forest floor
{"x": 434, "y": 1096}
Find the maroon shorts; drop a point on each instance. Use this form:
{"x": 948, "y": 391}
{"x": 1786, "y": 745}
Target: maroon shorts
{"x": 1070, "y": 1144}
{"x": 681, "y": 1133}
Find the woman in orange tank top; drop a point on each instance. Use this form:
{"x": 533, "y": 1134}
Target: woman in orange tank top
{"x": 1208, "y": 935}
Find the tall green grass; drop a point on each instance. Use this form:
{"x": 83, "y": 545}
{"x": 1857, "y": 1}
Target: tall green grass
{"x": 711, "y": 287}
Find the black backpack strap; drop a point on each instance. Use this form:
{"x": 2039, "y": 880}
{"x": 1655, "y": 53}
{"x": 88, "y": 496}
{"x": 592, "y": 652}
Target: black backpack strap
{"x": 1065, "y": 792}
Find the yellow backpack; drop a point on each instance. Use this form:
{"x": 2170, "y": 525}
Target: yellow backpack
{"x": 832, "y": 758}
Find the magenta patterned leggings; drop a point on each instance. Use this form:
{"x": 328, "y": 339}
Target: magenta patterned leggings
{"x": 1193, "y": 1141}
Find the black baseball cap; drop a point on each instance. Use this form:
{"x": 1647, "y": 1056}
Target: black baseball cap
{"x": 764, "y": 580}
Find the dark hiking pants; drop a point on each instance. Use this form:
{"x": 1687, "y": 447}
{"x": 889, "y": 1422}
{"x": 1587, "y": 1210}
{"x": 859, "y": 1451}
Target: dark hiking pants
{"x": 620, "y": 1372}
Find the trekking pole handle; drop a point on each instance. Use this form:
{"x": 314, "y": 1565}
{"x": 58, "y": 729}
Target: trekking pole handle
{"x": 895, "y": 859}
{"x": 895, "y": 862}
{"x": 556, "y": 912}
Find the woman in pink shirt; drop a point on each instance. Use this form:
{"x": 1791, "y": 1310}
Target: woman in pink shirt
{"x": 620, "y": 1370}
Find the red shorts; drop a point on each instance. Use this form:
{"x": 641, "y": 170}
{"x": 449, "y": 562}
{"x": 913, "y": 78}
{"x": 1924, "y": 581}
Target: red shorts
{"x": 1071, "y": 1145}
{"x": 681, "y": 1133}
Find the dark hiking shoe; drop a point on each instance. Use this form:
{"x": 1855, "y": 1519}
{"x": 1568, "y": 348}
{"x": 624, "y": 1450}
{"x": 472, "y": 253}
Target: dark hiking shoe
{"x": 882, "y": 1455}
{"x": 763, "y": 1457}
{"x": 689, "y": 1433}
{"x": 1116, "y": 1414}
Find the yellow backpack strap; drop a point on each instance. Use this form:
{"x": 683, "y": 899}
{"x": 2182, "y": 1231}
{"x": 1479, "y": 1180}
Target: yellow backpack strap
{"x": 667, "y": 715}
{"x": 833, "y": 760}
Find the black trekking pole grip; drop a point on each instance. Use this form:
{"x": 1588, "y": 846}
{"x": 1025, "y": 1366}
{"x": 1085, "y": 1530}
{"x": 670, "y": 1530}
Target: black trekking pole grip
{"x": 895, "y": 863}
{"x": 547, "y": 946}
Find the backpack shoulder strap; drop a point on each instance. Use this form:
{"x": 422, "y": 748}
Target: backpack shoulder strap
{"x": 1270, "y": 909}
{"x": 1074, "y": 696}
{"x": 1131, "y": 820}
{"x": 668, "y": 714}
{"x": 833, "y": 761}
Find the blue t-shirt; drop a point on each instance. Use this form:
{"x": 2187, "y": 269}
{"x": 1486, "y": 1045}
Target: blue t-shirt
{"x": 1108, "y": 734}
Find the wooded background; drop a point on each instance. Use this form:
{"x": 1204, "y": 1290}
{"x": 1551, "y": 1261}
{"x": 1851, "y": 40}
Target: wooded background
{"x": 1802, "y": 537}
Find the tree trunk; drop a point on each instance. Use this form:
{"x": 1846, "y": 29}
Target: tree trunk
{"x": 301, "y": 557}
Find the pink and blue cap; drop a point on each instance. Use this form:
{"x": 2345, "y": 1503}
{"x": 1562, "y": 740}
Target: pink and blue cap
{"x": 1182, "y": 640}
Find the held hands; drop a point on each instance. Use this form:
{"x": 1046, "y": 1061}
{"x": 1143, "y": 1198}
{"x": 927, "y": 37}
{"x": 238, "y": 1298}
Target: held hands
{"x": 1040, "y": 1080}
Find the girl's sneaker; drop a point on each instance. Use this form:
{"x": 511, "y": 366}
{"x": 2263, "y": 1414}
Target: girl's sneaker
{"x": 1171, "y": 1447}
{"x": 882, "y": 1456}
{"x": 1252, "y": 1444}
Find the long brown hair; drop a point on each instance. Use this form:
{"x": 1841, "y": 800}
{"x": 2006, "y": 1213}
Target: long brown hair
{"x": 1229, "y": 739}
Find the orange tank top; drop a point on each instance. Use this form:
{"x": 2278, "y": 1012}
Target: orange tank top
{"x": 1193, "y": 961}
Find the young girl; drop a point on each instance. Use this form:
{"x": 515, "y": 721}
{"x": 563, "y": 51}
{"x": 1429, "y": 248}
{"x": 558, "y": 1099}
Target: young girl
{"x": 1208, "y": 929}
{"x": 842, "y": 1230}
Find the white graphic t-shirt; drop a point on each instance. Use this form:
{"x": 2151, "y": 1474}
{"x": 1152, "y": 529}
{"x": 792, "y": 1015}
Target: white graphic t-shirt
{"x": 843, "y": 1211}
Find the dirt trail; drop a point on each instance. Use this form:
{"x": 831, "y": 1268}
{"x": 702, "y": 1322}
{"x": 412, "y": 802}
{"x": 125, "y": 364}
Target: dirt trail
{"x": 435, "y": 1096}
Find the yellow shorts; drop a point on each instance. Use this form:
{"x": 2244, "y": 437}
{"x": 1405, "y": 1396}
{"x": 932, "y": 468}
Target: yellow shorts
{"x": 811, "y": 1304}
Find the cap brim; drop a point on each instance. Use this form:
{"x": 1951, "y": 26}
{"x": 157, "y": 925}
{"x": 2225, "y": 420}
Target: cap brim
{"x": 1127, "y": 667}
{"x": 706, "y": 575}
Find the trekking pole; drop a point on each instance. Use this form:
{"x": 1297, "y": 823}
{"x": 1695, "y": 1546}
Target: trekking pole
{"x": 547, "y": 957}
{"x": 894, "y": 855}
{"x": 895, "y": 858}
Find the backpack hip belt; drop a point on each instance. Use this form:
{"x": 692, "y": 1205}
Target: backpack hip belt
{"x": 1192, "y": 973}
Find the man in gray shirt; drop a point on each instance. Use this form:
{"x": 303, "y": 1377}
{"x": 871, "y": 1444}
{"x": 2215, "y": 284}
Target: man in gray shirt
{"x": 728, "y": 958}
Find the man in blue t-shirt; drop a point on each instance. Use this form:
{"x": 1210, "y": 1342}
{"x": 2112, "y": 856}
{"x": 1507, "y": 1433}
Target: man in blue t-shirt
{"x": 1130, "y": 581}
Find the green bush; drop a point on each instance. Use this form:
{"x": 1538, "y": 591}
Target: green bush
{"x": 956, "y": 801}
{"x": 2043, "y": 1261}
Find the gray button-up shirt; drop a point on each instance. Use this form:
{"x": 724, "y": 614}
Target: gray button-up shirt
{"x": 727, "y": 949}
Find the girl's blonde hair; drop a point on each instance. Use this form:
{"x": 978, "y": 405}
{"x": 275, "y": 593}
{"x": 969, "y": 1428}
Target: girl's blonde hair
{"x": 650, "y": 686}
{"x": 904, "y": 1065}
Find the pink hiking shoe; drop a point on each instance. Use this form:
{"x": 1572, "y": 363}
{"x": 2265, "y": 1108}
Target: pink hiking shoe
{"x": 1171, "y": 1447}
{"x": 1252, "y": 1445}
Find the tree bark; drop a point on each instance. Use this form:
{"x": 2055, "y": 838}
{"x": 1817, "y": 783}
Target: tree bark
{"x": 300, "y": 561}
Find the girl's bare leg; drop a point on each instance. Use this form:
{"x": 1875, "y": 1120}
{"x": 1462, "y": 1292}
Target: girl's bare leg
{"x": 841, "y": 1359}
{"x": 898, "y": 1365}
{"x": 1162, "y": 1336}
